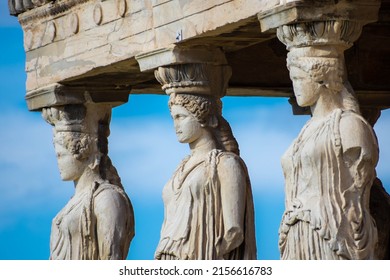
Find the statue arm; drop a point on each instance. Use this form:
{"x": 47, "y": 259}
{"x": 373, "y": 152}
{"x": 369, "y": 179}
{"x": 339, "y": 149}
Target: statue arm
{"x": 359, "y": 147}
{"x": 112, "y": 212}
{"x": 360, "y": 155}
{"x": 233, "y": 182}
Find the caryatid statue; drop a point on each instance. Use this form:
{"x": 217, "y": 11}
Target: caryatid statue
{"x": 330, "y": 167}
{"x": 98, "y": 221}
{"x": 208, "y": 202}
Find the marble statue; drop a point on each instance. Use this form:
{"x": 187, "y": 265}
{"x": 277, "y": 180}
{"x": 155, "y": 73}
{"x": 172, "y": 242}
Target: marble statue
{"x": 329, "y": 168}
{"x": 98, "y": 221}
{"x": 208, "y": 201}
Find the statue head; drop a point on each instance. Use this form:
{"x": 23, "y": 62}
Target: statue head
{"x": 205, "y": 113}
{"x": 204, "y": 108}
{"x": 80, "y": 139}
{"x": 313, "y": 76}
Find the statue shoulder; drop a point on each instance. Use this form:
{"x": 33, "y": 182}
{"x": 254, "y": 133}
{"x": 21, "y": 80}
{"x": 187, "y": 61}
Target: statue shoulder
{"x": 357, "y": 136}
{"x": 108, "y": 195}
{"x": 230, "y": 161}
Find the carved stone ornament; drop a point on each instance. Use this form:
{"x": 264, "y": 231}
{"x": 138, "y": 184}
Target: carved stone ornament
{"x": 51, "y": 31}
{"x": 199, "y": 78}
{"x": 122, "y": 8}
{"x": 20, "y": 6}
{"x": 208, "y": 203}
{"x": 330, "y": 167}
{"x": 28, "y": 39}
{"x": 98, "y": 221}
{"x": 339, "y": 33}
{"x": 74, "y": 23}
{"x": 98, "y": 14}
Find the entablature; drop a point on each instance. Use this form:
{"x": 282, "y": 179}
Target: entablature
{"x": 96, "y": 42}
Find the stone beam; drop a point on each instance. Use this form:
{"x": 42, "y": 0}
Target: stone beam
{"x": 364, "y": 11}
{"x": 95, "y": 42}
{"x": 69, "y": 39}
{"x": 180, "y": 55}
{"x": 200, "y": 69}
{"x": 59, "y": 95}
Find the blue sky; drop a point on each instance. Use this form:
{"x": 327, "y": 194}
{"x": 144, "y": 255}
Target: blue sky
{"x": 144, "y": 149}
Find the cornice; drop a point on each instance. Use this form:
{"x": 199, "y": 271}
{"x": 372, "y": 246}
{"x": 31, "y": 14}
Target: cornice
{"x": 50, "y": 9}
{"x": 17, "y": 7}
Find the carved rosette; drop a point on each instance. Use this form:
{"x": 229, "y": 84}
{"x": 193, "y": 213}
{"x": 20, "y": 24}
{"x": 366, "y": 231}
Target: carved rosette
{"x": 195, "y": 78}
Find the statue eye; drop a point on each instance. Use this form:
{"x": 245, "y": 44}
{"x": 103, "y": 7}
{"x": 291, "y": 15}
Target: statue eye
{"x": 179, "y": 117}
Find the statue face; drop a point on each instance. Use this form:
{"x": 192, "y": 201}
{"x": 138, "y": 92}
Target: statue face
{"x": 70, "y": 168}
{"x": 306, "y": 90}
{"x": 188, "y": 128}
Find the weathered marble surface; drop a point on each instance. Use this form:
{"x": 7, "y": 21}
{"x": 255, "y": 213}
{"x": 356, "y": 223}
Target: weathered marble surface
{"x": 330, "y": 167}
{"x": 98, "y": 221}
{"x": 94, "y": 42}
{"x": 208, "y": 205}
{"x": 20, "y": 6}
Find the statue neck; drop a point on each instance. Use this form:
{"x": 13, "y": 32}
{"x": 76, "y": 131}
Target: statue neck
{"x": 203, "y": 145}
{"x": 86, "y": 180}
{"x": 326, "y": 104}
